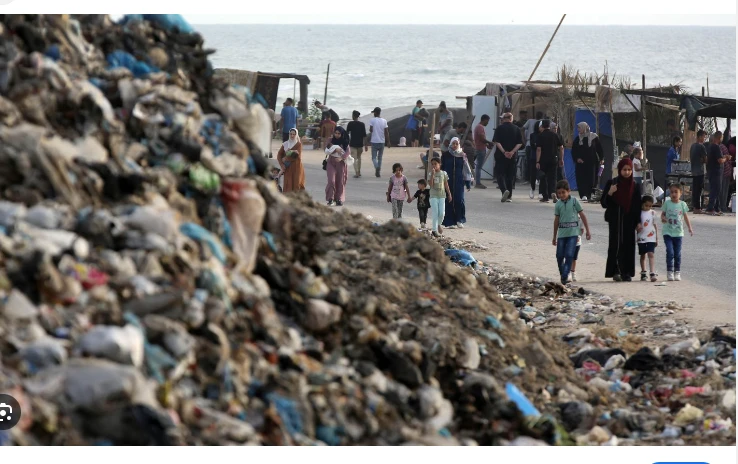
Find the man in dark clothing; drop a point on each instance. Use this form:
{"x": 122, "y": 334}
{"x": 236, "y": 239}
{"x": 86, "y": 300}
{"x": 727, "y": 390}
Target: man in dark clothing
{"x": 531, "y": 153}
{"x": 548, "y": 145}
{"x": 358, "y": 141}
{"x": 508, "y": 141}
{"x": 715, "y": 162}
{"x": 698, "y": 158}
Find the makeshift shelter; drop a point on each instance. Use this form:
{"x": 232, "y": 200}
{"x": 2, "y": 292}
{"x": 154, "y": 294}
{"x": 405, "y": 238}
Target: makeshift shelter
{"x": 266, "y": 84}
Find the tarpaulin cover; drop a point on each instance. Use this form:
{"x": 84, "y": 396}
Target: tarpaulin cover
{"x": 696, "y": 108}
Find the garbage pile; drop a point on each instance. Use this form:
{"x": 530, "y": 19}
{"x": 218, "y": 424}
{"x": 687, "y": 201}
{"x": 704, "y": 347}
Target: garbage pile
{"x": 660, "y": 381}
{"x": 156, "y": 289}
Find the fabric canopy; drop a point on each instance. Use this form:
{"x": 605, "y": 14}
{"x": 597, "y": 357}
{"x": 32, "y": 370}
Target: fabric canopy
{"x": 696, "y": 108}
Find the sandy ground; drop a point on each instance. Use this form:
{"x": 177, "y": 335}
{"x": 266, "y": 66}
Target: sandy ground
{"x": 519, "y": 239}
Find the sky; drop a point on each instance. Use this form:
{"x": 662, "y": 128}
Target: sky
{"x": 478, "y": 18}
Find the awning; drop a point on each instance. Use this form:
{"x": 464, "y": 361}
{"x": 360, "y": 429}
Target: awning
{"x": 696, "y": 108}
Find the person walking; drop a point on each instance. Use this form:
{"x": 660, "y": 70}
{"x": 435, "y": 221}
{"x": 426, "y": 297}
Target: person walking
{"x": 622, "y": 203}
{"x": 531, "y": 128}
{"x": 674, "y": 213}
{"x": 289, "y": 158}
{"x": 327, "y": 128}
{"x": 379, "y": 134}
{"x": 567, "y": 214}
{"x": 508, "y": 140}
{"x": 398, "y": 191}
{"x": 453, "y": 162}
{"x": 480, "y": 150}
{"x": 357, "y": 134}
{"x": 439, "y": 194}
{"x": 336, "y": 169}
{"x": 586, "y": 153}
{"x": 548, "y": 144}
{"x": 289, "y": 118}
{"x": 698, "y": 158}
{"x": 715, "y": 161}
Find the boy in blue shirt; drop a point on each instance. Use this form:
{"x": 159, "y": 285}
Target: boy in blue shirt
{"x": 567, "y": 213}
{"x": 289, "y": 118}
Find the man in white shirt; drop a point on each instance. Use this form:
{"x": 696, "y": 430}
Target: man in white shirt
{"x": 379, "y": 138}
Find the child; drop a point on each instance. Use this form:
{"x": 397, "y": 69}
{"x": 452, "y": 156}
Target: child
{"x": 468, "y": 175}
{"x": 398, "y": 191}
{"x": 567, "y": 213}
{"x": 647, "y": 237}
{"x": 576, "y": 256}
{"x": 276, "y": 174}
{"x": 438, "y": 191}
{"x": 423, "y": 197}
{"x": 673, "y": 215}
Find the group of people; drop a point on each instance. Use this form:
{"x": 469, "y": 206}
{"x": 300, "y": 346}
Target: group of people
{"x": 714, "y": 162}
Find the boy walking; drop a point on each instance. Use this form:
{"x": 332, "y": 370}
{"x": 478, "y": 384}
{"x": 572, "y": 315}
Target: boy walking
{"x": 423, "y": 197}
{"x": 567, "y": 213}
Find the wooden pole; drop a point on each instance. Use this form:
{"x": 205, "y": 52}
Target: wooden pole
{"x": 614, "y": 141}
{"x": 714, "y": 120}
{"x": 325, "y": 94}
{"x": 546, "y": 49}
{"x": 430, "y": 144}
{"x": 643, "y": 117}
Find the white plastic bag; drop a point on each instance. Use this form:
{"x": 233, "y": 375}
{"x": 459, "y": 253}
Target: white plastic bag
{"x": 350, "y": 160}
{"x": 657, "y": 192}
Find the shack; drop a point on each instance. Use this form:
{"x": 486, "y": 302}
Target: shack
{"x": 267, "y": 85}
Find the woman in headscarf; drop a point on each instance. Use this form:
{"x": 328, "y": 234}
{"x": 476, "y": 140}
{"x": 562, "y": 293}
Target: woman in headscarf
{"x": 622, "y": 202}
{"x": 586, "y": 153}
{"x": 290, "y": 161}
{"x": 454, "y": 163}
{"x": 337, "y": 170}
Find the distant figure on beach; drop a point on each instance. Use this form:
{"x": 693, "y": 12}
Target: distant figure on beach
{"x": 548, "y": 145}
{"x": 327, "y": 127}
{"x": 508, "y": 140}
{"x": 453, "y": 162}
{"x": 716, "y": 158}
{"x": 289, "y": 118}
{"x": 289, "y": 158}
{"x": 337, "y": 170}
{"x": 586, "y": 152}
{"x": 445, "y": 120}
{"x": 379, "y": 134}
{"x": 480, "y": 150}
{"x": 622, "y": 202}
{"x": 357, "y": 134}
{"x": 326, "y": 110}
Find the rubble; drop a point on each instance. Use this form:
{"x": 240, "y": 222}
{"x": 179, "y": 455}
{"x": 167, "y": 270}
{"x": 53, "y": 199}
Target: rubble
{"x": 157, "y": 289}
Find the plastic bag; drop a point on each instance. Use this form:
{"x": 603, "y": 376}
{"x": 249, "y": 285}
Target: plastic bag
{"x": 245, "y": 209}
{"x": 350, "y": 161}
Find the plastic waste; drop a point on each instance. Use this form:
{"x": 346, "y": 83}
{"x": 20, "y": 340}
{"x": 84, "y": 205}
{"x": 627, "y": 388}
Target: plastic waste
{"x": 523, "y": 403}
{"x": 462, "y": 257}
{"x": 245, "y": 209}
{"x": 124, "y": 345}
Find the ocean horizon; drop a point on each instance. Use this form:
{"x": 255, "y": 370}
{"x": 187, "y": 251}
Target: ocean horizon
{"x": 394, "y": 65}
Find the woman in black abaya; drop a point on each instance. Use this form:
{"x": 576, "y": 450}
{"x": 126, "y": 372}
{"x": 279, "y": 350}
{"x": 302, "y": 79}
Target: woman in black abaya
{"x": 622, "y": 203}
{"x": 586, "y": 153}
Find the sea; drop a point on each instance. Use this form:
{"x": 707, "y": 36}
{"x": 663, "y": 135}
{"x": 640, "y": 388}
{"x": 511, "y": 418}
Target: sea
{"x": 393, "y": 66}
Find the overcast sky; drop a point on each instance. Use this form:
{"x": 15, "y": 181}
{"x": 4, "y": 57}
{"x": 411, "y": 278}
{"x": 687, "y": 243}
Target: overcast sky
{"x": 477, "y": 18}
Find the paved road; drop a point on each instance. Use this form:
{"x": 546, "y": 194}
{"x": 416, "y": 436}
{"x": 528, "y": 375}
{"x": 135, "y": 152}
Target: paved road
{"x": 708, "y": 257}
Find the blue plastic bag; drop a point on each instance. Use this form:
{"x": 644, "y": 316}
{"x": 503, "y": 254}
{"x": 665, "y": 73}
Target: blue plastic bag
{"x": 201, "y": 234}
{"x": 462, "y": 257}
{"x": 121, "y": 59}
{"x": 523, "y": 403}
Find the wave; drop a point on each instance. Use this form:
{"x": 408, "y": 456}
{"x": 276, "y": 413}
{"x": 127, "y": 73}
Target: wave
{"x": 355, "y": 75}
